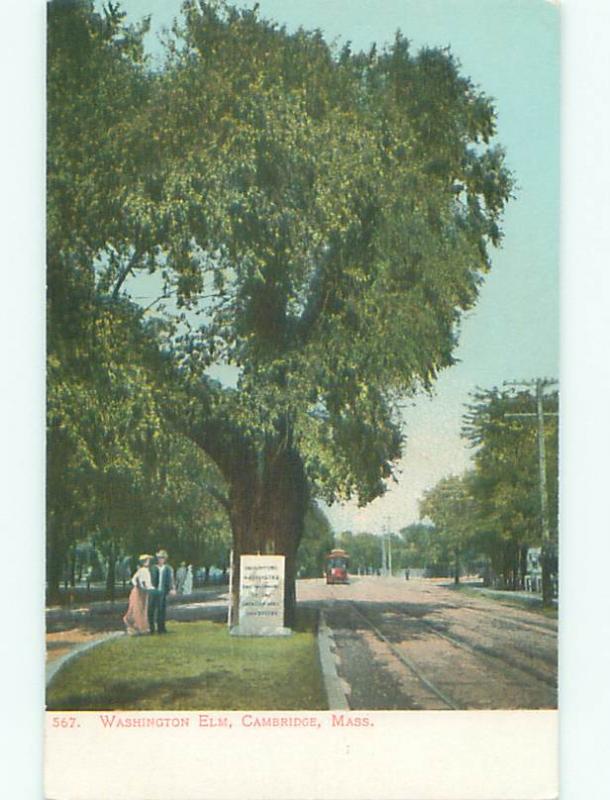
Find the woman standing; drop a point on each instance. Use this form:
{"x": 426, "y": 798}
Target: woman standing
{"x": 136, "y": 616}
{"x": 180, "y": 577}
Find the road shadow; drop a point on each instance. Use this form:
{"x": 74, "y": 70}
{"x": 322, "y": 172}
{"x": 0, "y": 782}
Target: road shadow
{"x": 396, "y": 619}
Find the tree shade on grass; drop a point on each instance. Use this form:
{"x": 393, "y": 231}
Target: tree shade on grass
{"x": 197, "y": 666}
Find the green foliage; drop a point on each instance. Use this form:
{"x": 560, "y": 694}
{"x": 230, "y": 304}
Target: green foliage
{"x": 493, "y": 511}
{"x": 316, "y": 543}
{"x": 421, "y": 549}
{"x": 115, "y": 469}
{"x": 506, "y": 483}
{"x": 184, "y": 514}
{"x": 364, "y": 550}
{"x": 334, "y": 210}
{"x": 97, "y": 89}
{"x": 451, "y": 509}
{"x": 318, "y": 220}
{"x": 104, "y": 429}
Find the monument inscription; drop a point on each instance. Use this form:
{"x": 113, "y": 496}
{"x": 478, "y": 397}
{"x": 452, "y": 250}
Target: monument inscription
{"x": 261, "y": 596}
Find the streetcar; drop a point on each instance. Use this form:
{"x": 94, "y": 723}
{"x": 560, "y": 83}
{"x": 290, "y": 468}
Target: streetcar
{"x": 336, "y": 566}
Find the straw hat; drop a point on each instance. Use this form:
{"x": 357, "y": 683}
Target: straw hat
{"x": 161, "y": 554}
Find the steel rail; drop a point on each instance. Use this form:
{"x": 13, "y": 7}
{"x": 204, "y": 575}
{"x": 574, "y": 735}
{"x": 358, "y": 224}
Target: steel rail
{"x": 478, "y": 650}
{"x": 539, "y": 627}
{"x": 407, "y": 661}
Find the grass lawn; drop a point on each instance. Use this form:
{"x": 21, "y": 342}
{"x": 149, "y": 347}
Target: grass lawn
{"x": 198, "y": 665}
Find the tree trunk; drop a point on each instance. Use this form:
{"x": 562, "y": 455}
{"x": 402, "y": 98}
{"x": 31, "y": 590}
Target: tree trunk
{"x": 72, "y": 574}
{"x": 515, "y": 568}
{"x": 268, "y": 498}
{"x": 456, "y": 578}
{"x": 56, "y": 550}
{"x": 547, "y": 582}
{"x": 522, "y": 565}
{"x": 111, "y": 574}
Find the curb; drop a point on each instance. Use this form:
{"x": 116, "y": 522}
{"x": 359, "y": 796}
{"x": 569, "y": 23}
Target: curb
{"x": 333, "y": 686}
{"x": 54, "y": 667}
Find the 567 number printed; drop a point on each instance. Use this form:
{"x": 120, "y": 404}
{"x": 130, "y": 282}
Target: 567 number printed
{"x": 65, "y": 722}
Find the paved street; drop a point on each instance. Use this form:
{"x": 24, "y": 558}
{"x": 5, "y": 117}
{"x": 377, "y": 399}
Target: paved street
{"x": 420, "y": 645}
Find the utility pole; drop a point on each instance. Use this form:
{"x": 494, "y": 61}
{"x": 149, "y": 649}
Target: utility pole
{"x": 547, "y": 545}
{"x": 386, "y": 549}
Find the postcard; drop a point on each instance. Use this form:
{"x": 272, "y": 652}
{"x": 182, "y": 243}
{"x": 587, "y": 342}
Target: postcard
{"x": 302, "y": 478}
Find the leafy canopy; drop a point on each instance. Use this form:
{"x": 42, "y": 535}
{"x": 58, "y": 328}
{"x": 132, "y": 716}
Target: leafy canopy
{"x": 450, "y": 506}
{"x": 114, "y": 468}
{"x": 507, "y": 478}
{"x": 320, "y": 219}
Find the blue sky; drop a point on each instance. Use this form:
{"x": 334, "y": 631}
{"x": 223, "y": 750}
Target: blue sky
{"x": 510, "y": 48}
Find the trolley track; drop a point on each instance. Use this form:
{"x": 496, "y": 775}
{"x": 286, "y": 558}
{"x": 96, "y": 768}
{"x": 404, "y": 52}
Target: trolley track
{"x": 517, "y": 621}
{"x": 491, "y": 652}
{"x": 510, "y": 622}
{"x": 414, "y": 647}
{"x": 477, "y": 649}
{"x": 509, "y": 665}
{"x": 404, "y": 659}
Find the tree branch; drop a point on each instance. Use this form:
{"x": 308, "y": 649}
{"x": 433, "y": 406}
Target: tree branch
{"x": 319, "y": 292}
{"x": 217, "y": 495}
{"x": 127, "y": 269}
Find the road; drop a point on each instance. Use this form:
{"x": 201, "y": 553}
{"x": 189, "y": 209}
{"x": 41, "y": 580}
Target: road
{"x": 418, "y": 645}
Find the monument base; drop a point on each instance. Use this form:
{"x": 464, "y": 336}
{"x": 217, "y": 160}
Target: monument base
{"x": 245, "y": 630}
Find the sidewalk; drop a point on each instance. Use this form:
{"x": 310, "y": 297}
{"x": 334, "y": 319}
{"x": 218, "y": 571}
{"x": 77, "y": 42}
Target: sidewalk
{"x": 522, "y": 598}
{"x": 90, "y": 613}
{"x": 54, "y": 665}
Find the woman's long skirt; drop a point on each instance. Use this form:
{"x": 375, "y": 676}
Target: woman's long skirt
{"x": 136, "y": 616}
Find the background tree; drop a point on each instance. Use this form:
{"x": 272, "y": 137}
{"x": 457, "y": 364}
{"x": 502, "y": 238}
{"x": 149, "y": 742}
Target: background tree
{"x": 451, "y": 508}
{"x": 507, "y": 482}
{"x": 317, "y": 542}
{"x": 187, "y": 513}
{"x": 115, "y": 471}
{"x": 103, "y": 429}
{"x": 99, "y": 411}
{"x": 420, "y": 549}
{"x": 327, "y": 214}
{"x": 364, "y": 550}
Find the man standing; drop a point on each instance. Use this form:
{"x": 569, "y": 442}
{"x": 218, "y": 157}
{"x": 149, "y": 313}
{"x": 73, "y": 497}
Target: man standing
{"x": 162, "y": 578}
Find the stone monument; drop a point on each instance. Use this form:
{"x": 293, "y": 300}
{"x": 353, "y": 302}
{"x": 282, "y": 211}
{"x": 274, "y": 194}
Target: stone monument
{"x": 261, "y": 597}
